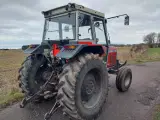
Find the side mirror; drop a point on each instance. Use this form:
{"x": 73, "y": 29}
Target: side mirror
{"x": 126, "y": 20}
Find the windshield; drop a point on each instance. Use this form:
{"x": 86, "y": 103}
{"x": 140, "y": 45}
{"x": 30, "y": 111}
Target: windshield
{"x": 60, "y": 28}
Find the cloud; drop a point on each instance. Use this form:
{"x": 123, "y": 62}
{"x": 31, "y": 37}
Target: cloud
{"x": 22, "y": 22}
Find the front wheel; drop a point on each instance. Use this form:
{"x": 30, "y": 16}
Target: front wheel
{"x": 124, "y": 79}
{"x": 83, "y": 87}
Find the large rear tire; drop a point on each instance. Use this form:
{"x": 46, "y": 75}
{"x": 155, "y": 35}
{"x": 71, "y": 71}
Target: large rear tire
{"x": 83, "y": 87}
{"x": 29, "y": 76}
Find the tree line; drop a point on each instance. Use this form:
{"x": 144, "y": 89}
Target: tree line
{"x": 152, "y": 39}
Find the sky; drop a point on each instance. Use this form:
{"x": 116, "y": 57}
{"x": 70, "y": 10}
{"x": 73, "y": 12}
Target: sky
{"x": 21, "y": 21}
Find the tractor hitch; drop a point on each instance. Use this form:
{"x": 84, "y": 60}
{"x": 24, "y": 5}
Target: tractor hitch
{"x": 26, "y": 100}
{"x": 55, "y": 107}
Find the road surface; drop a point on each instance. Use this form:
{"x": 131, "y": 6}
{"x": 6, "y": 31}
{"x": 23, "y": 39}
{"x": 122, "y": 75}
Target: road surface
{"x": 132, "y": 105}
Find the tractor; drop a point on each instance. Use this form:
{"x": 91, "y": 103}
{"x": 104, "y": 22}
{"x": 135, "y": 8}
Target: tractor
{"x": 72, "y": 63}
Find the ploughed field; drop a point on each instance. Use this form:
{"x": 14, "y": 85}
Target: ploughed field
{"x": 10, "y": 61}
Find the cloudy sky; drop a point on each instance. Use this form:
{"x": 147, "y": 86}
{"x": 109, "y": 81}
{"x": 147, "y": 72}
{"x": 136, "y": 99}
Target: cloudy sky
{"x": 21, "y": 21}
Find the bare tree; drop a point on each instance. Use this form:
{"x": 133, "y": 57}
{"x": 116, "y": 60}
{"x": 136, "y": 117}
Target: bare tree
{"x": 150, "y": 39}
{"x": 158, "y": 39}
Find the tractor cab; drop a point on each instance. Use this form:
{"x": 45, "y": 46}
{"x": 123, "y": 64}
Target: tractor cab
{"x": 75, "y": 23}
{"x": 84, "y": 31}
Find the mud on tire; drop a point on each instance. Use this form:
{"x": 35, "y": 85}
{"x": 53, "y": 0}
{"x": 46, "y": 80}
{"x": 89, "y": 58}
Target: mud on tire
{"x": 73, "y": 89}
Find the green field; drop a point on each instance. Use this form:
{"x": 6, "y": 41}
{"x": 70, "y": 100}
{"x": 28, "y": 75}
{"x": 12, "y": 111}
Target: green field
{"x": 154, "y": 50}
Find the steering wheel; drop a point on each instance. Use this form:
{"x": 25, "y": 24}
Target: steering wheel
{"x": 97, "y": 24}
{"x": 89, "y": 29}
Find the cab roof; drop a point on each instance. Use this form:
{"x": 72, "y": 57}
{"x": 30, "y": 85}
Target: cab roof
{"x": 69, "y": 8}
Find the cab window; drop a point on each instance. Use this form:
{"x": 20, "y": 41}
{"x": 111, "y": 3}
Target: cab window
{"x": 99, "y": 31}
{"x": 84, "y": 27}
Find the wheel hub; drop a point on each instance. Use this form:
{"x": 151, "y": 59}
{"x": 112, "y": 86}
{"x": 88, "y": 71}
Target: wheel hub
{"x": 42, "y": 75}
{"x": 46, "y": 75}
{"x": 90, "y": 90}
{"x": 127, "y": 81}
{"x": 90, "y": 87}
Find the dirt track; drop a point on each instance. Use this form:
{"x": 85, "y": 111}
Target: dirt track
{"x": 135, "y": 104}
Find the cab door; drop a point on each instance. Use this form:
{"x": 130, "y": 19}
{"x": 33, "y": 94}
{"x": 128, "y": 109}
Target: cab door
{"x": 100, "y": 35}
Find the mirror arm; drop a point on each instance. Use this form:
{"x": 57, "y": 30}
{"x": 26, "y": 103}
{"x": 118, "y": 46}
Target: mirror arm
{"x": 117, "y": 16}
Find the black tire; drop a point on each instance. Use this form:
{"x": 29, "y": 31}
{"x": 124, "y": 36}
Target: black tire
{"x": 70, "y": 93}
{"x": 124, "y": 79}
{"x": 28, "y": 76}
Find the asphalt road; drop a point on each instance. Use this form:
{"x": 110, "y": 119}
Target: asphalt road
{"x": 132, "y": 105}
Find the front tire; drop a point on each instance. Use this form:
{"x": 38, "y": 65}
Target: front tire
{"x": 83, "y": 87}
{"x": 124, "y": 79}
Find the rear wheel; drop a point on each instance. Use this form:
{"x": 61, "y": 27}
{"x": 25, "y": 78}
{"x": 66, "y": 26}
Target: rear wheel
{"x": 83, "y": 87}
{"x": 124, "y": 79}
{"x": 30, "y": 76}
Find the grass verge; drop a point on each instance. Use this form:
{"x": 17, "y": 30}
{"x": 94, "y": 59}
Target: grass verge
{"x": 9, "y": 99}
{"x": 157, "y": 113}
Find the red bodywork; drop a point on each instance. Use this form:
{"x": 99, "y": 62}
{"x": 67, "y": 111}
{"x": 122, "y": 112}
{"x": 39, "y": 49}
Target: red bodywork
{"x": 112, "y": 57}
{"x": 55, "y": 49}
{"x": 112, "y": 53}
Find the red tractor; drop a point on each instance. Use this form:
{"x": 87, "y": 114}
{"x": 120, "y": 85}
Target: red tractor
{"x": 72, "y": 63}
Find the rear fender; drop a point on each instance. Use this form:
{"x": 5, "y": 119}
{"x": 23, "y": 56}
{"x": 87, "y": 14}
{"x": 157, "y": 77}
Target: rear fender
{"x": 33, "y": 49}
{"x": 80, "y": 49}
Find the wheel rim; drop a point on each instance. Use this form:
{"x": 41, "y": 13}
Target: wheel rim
{"x": 40, "y": 78}
{"x": 127, "y": 81}
{"x": 91, "y": 89}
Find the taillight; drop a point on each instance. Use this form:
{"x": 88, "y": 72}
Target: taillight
{"x": 70, "y": 47}
{"x": 32, "y": 46}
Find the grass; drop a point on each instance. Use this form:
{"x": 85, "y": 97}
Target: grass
{"x": 154, "y": 50}
{"x": 10, "y": 98}
{"x": 157, "y": 113}
{"x": 11, "y": 60}
{"x": 151, "y": 55}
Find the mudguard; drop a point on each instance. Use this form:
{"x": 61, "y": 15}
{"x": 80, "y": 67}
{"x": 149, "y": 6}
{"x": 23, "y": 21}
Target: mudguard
{"x": 80, "y": 49}
{"x": 33, "y": 49}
